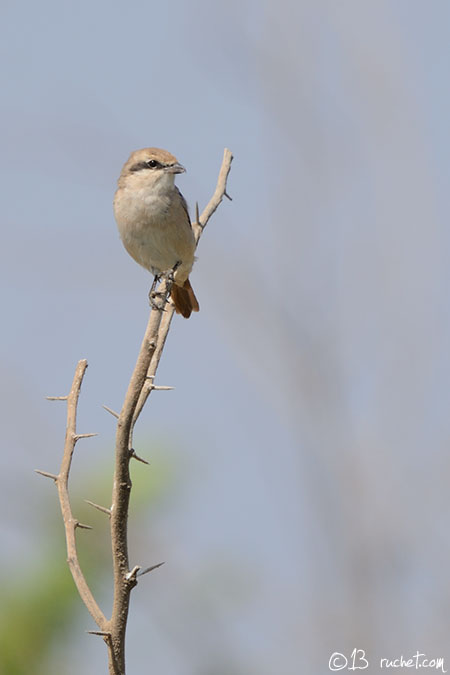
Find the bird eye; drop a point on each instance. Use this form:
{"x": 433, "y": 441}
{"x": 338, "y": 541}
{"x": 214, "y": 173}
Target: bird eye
{"x": 152, "y": 163}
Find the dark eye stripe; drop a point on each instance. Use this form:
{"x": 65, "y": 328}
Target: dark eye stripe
{"x": 144, "y": 165}
{"x": 138, "y": 166}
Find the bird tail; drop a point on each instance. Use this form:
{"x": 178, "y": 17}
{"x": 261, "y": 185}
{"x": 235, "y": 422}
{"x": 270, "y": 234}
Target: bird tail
{"x": 184, "y": 299}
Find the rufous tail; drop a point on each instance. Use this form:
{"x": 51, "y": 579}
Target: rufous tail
{"x": 184, "y": 299}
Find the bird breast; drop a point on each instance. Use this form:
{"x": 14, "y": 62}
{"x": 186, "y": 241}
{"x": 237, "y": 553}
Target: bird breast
{"x": 155, "y": 229}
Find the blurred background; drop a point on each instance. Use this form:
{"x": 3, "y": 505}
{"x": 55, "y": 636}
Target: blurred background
{"x": 298, "y": 478}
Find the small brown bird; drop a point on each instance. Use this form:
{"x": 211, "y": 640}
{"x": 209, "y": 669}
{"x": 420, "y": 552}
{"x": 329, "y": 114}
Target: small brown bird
{"x": 153, "y": 221}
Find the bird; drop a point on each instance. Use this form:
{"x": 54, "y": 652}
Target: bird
{"x": 154, "y": 225}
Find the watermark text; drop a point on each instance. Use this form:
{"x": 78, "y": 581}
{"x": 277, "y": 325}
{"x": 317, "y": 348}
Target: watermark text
{"x": 358, "y": 660}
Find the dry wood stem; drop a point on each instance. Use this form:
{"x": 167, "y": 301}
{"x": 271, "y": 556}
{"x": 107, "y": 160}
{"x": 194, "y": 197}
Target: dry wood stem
{"x": 62, "y": 483}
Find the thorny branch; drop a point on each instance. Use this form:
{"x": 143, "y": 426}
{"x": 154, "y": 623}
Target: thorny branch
{"x": 139, "y": 388}
{"x": 62, "y": 483}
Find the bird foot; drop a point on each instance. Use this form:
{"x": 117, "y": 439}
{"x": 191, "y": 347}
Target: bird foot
{"x": 157, "y": 300}
{"x": 169, "y": 276}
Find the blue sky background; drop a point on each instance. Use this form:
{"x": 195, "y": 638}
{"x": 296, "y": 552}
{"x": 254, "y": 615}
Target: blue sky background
{"x": 308, "y": 433}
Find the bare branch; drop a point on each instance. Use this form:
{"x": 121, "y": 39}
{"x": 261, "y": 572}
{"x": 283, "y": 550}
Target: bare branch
{"x": 62, "y": 482}
{"x": 122, "y": 487}
{"x": 56, "y": 398}
{"x": 218, "y": 195}
{"x": 78, "y": 436}
{"x": 162, "y": 335}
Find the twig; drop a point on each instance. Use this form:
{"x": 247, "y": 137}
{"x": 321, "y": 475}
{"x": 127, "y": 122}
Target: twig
{"x": 62, "y": 483}
{"x": 219, "y": 193}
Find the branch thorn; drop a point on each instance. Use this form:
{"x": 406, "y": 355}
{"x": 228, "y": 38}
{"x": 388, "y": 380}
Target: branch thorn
{"x": 133, "y": 574}
{"x": 56, "y": 398}
{"x": 47, "y": 474}
{"x": 103, "y": 509}
{"x": 112, "y": 412}
{"x": 77, "y": 437}
{"x": 139, "y": 459}
{"x": 83, "y": 527}
{"x": 149, "y": 569}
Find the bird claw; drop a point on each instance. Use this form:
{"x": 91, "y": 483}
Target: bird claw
{"x": 169, "y": 276}
{"x": 153, "y": 297}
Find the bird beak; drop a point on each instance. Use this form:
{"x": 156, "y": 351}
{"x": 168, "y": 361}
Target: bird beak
{"x": 174, "y": 168}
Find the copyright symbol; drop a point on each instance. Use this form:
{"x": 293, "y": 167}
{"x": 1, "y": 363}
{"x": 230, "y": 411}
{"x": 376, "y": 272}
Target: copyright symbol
{"x": 337, "y": 661}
